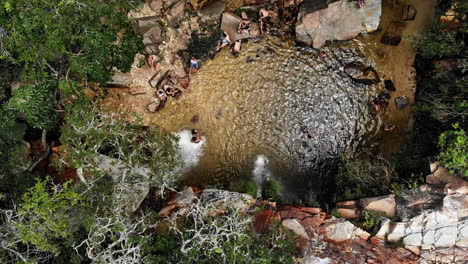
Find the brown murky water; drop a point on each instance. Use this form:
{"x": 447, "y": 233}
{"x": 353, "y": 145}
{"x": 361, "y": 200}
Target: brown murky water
{"x": 259, "y": 105}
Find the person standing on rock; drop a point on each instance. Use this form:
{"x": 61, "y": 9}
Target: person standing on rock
{"x": 153, "y": 62}
{"x": 237, "y": 47}
{"x": 264, "y": 19}
{"x": 194, "y": 64}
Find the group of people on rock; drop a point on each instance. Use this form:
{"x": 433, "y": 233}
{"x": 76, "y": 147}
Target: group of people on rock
{"x": 265, "y": 23}
{"x": 167, "y": 88}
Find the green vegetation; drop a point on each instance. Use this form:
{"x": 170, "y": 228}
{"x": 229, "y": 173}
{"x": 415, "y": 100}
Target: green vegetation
{"x": 42, "y": 219}
{"x": 358, "y": 178}
{"x": 370, "y": 218}
{"x": 204, "y": 41}
{"x": 271, "y": 190}
{"x": 454, "y": 150}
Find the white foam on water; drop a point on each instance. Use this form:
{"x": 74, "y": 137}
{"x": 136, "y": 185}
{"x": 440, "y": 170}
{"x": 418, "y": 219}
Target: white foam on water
{"x": 260, "y": 171}
{"x": 190, "y": 152}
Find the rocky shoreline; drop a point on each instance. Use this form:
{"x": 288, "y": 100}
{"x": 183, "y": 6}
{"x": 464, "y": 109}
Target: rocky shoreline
{"x": 417, "y": 226}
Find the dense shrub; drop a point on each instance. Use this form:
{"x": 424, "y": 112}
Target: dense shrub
{"x": 271, "y": 190}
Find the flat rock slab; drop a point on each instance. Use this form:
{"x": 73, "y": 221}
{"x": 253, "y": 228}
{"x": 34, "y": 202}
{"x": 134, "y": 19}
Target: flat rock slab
{"x": 341, "y": 20}
{"x": 230, "y": 22}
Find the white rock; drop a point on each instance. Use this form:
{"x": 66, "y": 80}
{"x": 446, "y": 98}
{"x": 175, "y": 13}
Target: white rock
{"x": 384, "y": 229}
{"x": 414, "y": 239}
{"x": 398, "y": 232}
{"x": 446, "y": 237}
{"x": 342, "y": 230}
{"x": 296, "y": 227}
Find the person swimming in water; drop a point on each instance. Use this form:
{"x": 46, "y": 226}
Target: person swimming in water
{"x": 322, "y": 54}
{"x": 309, "y": 135}
{"x": 389, "y": 127}
{"x": 196, "y": 138}
{"x": 226, "y": 41}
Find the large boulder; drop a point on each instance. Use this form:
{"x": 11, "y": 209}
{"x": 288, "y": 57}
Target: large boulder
{"x": 361, "y": 73}
{"x": 134, "y": 183}
{"x": 411, "y": 203}
{"x": 340, "y": 230}
{"x": 340, "y": 20}
{"x": 385, "y": 204}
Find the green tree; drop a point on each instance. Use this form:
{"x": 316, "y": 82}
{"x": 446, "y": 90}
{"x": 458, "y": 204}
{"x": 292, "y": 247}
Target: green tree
{"x": 454, "y": 150}
{"x": 271, "y": 190}
{"x": 35, "y": 104}
{"x": 71, "y": 39}
{"x": 11, "y": 142}
{"x": 42, "y": 215}
{"x": 89, "y": 133}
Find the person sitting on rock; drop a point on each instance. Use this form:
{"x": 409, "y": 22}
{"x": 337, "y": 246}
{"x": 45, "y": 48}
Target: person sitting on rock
{"x": 389, "y": 127}
{"x": 176, "y": 92}
{"x": 237, "y": 47}
{"x": 226, "y": 41}
{"x": 168, "y": 89}
{"x": 264, "y": 20}
{"x": 244, "y": 26}
{"x": 161, "y": 95}
{"x": 194, "y": 64}
{"x": 263, "y": 13}
{"x": 196, "y": 138}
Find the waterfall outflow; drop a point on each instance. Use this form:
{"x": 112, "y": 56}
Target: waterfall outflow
{"x": 260, "y": 172}
{"x": 190, "y": 152}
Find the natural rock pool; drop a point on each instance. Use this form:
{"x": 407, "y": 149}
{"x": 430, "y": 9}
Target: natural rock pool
{"x": 252, "y": 109}
{"x": 260, "y": 103}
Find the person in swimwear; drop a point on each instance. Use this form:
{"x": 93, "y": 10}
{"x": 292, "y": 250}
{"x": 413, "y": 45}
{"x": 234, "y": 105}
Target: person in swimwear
{"x": 237, "y": 47}
{"x": 244, "y": 26}
{"x": 389, "y": 127}
{"x": 196, "y": 138}
{"x": 226, "y": 41}
{"x": 161, "y": 95}
{"x": 310, "y": 135}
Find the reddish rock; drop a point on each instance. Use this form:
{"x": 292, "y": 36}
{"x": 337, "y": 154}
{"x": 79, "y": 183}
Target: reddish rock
{"x": 197, "y": 190}
{"x": 262, "y": 220}
{"x": 166, "y": 211}
{"x": 347, "y": 204}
